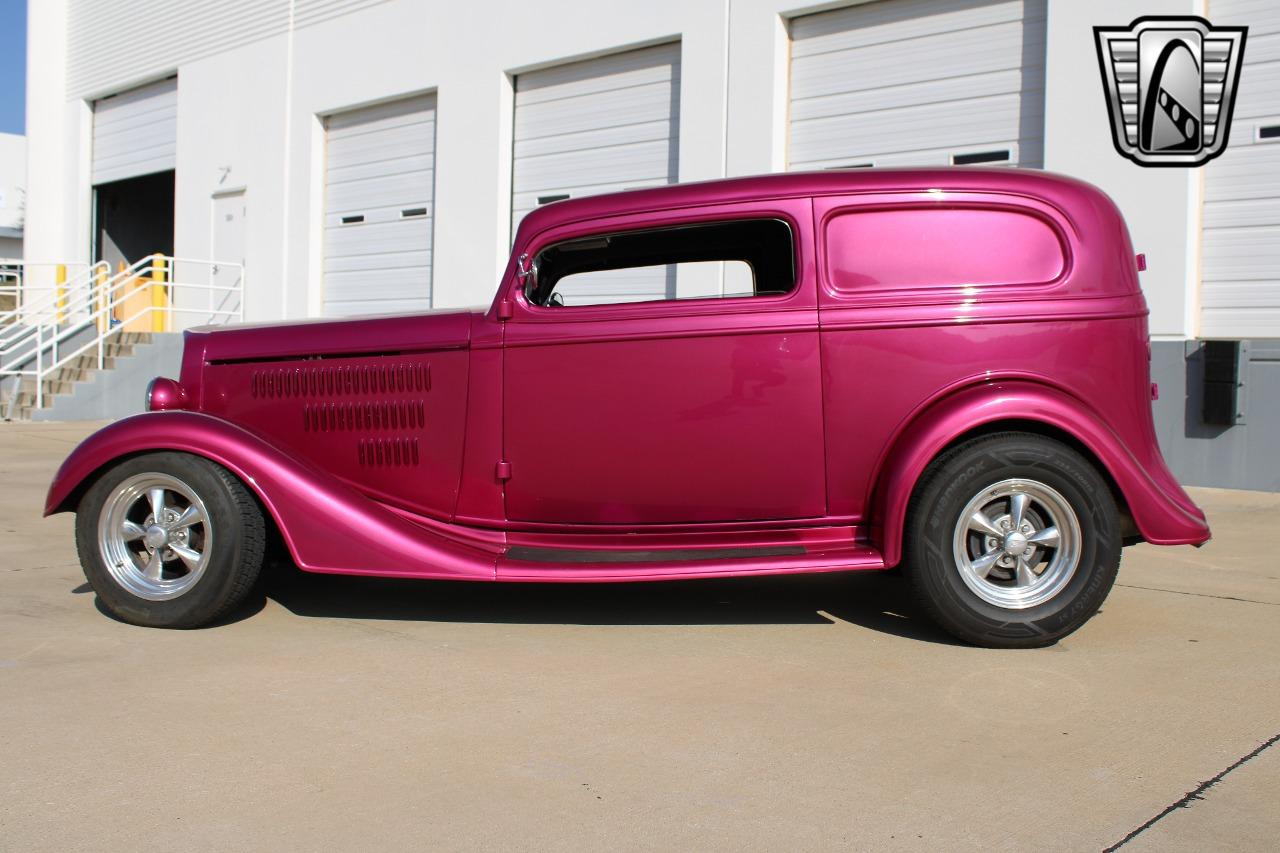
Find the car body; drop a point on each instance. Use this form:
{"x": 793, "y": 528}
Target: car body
{"x": 783, "y": 430}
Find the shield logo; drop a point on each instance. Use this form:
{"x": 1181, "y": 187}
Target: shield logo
{"x": 1170, "y": 84}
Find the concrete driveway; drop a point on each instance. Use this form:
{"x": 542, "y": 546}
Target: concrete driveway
{"x": 765, "y": 714}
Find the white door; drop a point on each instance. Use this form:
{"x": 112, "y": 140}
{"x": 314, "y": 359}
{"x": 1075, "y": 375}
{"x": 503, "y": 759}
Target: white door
{"x": 918, "y": 83}
{"x": 598, "y": 126}
{"x": 135, "y": 132}
{"x": 1240, "y": 294}
{"x": 379, "y": 208}
{"x": 227, "y": 274}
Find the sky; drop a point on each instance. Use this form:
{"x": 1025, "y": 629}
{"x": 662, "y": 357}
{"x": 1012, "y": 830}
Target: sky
{"x": 13, "y": 66}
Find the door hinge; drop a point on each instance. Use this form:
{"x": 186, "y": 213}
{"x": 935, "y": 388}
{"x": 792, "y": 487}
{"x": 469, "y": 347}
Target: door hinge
{"x": 504, "y": 309}
{"x": 502, "y": 471}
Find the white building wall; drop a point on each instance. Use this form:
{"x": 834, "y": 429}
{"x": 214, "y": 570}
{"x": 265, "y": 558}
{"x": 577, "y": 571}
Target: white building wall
{"x": 251, "y": 102}
{"x": 1161, "y": 206}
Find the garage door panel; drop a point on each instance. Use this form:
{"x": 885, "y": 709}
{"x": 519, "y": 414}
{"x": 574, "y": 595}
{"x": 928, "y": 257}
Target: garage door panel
{"x": 380, "y": 117}
{"x": 136, "y": 132}
{"x": 1246, "y": 213}
{"x": 629, "y": 134}
{"x": 1259, "y": 83}
{"x": 380, "y": 165}
{"x": 352, "y": 307}
{"x": 619, "y": 164}
{"x": 1240, "y": 259}
{"x": 370, "y": 238}
{"x": 898, "y": 130}
{"x": 1006, "y": 82}
{"x": 1243, "y": 171}
{"x": 1233, "y": 254}
{"x": 631, "y": 69}
{"x": 642, "y": 105}
{"x": 906, "y": 19}
{"x": 420, "y": 164}
{"x": 377, "y": 192}
{"x": 596, "y": 126}
{"x": 413, "y": 140}
{"x": 522, "y": 203}
{"x": 948, "y": 55}
{"x": 394, "y": 283}
{"x": 914, "y": 83}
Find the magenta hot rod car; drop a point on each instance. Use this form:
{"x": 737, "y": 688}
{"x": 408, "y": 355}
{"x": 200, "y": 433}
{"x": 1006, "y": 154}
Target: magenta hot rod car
{"x": 946, "y": 370}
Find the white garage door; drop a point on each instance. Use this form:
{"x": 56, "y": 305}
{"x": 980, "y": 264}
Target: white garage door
{"x": 918, "y": 82}
{"x": 136, "y": 132}
{"x": 379, "y": 206}
{"x": 1240, "y": 296}
{"x": 598, "y": 126}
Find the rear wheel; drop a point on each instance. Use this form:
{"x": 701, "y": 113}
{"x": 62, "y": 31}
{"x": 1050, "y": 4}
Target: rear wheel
{"x": 1012, "y": 540}
{"x": 170, "y": 540}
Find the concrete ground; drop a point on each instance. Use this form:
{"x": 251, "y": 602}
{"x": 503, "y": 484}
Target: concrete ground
{"x": 769, "y": 714}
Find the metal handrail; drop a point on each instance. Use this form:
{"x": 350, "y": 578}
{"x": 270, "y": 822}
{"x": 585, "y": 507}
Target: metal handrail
{"x": 61, "y": 299}
{"x": 43, "y": 341}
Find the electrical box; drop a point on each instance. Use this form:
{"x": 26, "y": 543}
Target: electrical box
{"x": 1225, "y": 368}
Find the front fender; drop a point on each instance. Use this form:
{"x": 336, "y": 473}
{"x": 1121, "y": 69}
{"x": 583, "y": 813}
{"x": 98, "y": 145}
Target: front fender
{"x": 327, "y": 525}
{"x": 1162, "y": 512}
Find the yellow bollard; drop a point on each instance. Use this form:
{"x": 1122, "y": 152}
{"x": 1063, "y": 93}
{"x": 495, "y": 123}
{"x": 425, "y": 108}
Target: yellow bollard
{"x": 158, "y": 313}
{"x": 99, "y": 301}
{"x": 61, "y": 278}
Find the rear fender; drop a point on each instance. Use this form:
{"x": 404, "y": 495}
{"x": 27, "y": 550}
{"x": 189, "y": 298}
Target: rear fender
{"x": 1161, "y": 518}
{"x": 327, "y": 525}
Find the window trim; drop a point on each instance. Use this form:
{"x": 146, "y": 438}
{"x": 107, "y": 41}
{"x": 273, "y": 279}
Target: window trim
{"x": 783, "y": 209}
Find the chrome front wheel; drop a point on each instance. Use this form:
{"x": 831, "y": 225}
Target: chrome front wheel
{"x": 170, "y": 540}
{"x": 155, "y": 536}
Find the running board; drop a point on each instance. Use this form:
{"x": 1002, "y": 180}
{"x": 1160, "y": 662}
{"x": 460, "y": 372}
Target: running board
{"x": 531, "y": 563}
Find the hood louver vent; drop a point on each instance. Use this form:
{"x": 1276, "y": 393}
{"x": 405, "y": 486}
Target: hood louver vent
{"x": 339, "y": 380}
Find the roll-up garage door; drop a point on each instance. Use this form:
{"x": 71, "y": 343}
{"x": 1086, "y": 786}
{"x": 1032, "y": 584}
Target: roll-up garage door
{"x": 918, "y": 82}
{"x": 598, "y": 126}
{"x": 379, "y": 208}
{"x": 136, "y": 132}
{"x": 1240, "y": 295}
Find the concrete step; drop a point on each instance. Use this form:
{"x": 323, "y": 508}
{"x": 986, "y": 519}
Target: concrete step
{"x": 78, "y": 390}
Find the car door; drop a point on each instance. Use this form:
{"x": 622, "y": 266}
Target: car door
{"x": 689, "y": 407}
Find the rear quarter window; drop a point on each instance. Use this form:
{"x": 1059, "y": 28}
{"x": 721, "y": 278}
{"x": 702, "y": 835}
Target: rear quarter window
{"x": 932, "y": 247}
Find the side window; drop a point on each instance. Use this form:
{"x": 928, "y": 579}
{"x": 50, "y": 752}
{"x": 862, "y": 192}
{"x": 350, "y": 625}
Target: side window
{"x": 754, "y": 257}
{"x": 931, "y": 247}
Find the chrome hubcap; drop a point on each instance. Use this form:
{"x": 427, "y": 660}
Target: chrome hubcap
{"x": 1017, "y": 544}
{"x": 154, "y": 536}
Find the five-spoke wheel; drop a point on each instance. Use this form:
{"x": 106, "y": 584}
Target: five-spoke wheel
{"x": 170, "y": 540}
{"x": 155, "y": 536}
{"x": 1012, "y": 540}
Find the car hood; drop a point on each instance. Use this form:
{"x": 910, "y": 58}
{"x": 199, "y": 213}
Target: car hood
{"x": 402, "y": 333}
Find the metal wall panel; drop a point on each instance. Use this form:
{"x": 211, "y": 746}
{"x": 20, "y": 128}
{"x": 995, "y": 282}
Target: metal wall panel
{"x": 114, "y": 43}
{"x": 379, "y": 207}
{"x": 597, "y": 126}
{"x": 917, "y": 82}
{"x": 136, "y": 132}
{"x": 1240, "y": 266}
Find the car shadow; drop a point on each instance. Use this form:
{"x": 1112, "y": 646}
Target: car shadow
{"x": 877, "y": 601}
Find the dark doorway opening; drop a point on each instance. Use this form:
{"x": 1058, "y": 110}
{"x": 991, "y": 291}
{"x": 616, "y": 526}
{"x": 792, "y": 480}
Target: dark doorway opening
{"x": 134, "y": 218}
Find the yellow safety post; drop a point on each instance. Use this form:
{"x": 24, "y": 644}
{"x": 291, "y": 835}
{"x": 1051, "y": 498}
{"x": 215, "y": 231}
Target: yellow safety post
{"x": 99, "y": 301}
{"x": 158, "y": 314}
{"x": 61, "y": 278}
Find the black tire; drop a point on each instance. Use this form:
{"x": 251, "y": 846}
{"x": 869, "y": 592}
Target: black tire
{"x": 234, "y": 560}
{"x": 945, "y": 491}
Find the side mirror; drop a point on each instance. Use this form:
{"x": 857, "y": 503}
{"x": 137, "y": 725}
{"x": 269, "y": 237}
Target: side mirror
{"x": 555, "y": 300}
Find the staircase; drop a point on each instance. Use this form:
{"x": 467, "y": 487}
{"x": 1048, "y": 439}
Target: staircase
{"x": 62, "y": 381}
{"x": 84, "y": 347}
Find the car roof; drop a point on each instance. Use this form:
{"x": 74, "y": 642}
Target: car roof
{"x": 1056, "y": 188}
